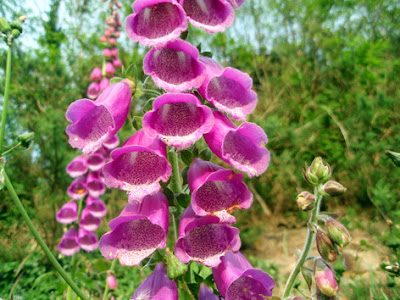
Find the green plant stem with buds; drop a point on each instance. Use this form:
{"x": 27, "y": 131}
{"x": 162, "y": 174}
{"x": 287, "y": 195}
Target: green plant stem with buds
{"x": 40, "y": 241}
{"x": 111, "y": 270}
{"x": 307, "y": 245}
{"x": 15, "y": 197}
{"x": 175, "y": 176}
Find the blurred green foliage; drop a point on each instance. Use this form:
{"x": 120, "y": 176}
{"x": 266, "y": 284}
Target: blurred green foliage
{"x": 326, "y": 73}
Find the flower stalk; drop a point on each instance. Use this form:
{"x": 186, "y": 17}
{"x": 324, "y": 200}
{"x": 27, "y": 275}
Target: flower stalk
{"x": 111, "y": 270}
{"x": 40, "y": 241}
{"x": 307, "y": 245}
{"x": 6, "y": 96}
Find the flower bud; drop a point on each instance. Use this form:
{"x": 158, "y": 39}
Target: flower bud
{"x": 96, "y": 74}
{"x": 4, "y": 26}
{"x": 305, "y": 200}
{"x": 117, "y": 34}
{"x": 325, "y": 246}
{"x": 318, "y": 172}
{"x": 16, "y": 25}
{"x": 107, "y": 32}
{"x": 107, "y": 53}
{"x": 117, "y": 63}
{"x": 110, "y": 70}
{"x": 394, "y": 156}
{"x": 337, "y": 232}
{"x": 103, "y": 39}
{"x": 111, "y": 281}
{"x": 110, "y": 20}
{"x": 132, "y": 85}
{"x": 15, "y": 33}
{"x": 26, "y": 139}
{"x": 325, "y": 278}
{"x": 175, "y": 268}
{"x": 334, "y": 188}
{"x": 114, "y": 51}
{"x": 112, "y": 41}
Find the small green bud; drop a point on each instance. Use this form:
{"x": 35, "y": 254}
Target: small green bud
{"x": 187, "y": 157}
{"x": 26, "y": 139}
{"x": 334, "y": 188}
{"x": 338, "y": 232}
{"x": 325, "y": 246}
{"x": 318, "y": 172}
{"x": 394, "y": 156}
{"x": 15, "y": 33}
{"x": 4, "y": 26}
{"x": 305, "y": 200}
{"x": 16, "y": 25}
{"x": 175, "y": 268}
{"x": 205, "y": 154}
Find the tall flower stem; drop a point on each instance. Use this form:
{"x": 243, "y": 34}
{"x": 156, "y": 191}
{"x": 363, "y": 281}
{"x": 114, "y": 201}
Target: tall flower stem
{"x": 307, "y": 246}
{"x": 105, "y": 294}
{"x": 40, "y": 241}
{"x": 6, "y": 96}
{"x": 74, "y": 257}
{"x": 175, "y": 177}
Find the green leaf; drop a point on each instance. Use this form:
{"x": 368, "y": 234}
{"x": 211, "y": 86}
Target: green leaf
{"x": 116, "y": 80}
{"x": 137, "y": 122}
{"x": 42, "y": 278}
{"x": 206, "y": 154}
{"x": 207, "y": 54}
{"x": 183, "y": 200}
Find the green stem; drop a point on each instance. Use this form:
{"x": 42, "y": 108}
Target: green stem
{"x": 176, "y": 176}
{"x": 111, "y": 270}
{"x": 6, "y": 96}
{"x": 307, "y": 246}
{"x": 74, "y": 257}
{"x": 185, "y": 286}
{"x": 174, "y": 226}
{"x": 40, "y": 241}
{"x": 11, "y": 149}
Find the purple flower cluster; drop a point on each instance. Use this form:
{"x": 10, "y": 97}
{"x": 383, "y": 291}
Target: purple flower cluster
{"x": 99, "y": 76}
{"x": 88, "y": 182}
{"x": 178, "y": 119}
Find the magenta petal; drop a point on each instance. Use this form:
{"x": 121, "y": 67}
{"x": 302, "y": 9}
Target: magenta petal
{"x": 138, "y": 231}
{"x": 78, "y": 189}
{"x": 144, "y": 25}
{"x": 176, "y": 67}
{"x": 69, "y": 242}
{"x": 210, "y": 15}
{"x": 111, "y": 143}
{"x": 236, "y": 279}
{"x": 95, "y": 186}
{"x": 178, "y": 119}
{"x": 96, "y": 207}
{"x": 217, "y": 191}
{"x": 93, "y": 90}
{"x": 157, "y": 286}
{"x": 228, "y": 90}
{"x": 95, "y": 162}
{"x": 205, "y": 240}
{"x": 87, "y": 240}
{"x": 138, "y": 166}
{"x": 93, "y": 123}
{"x": 68, "y": 213}
{"x": 236, "y": 3}
{"x": 206, "y": 293}
{"x": 88, "y": 221}
{"x": 77, "y": 167}
{"x": 242, "y": 147}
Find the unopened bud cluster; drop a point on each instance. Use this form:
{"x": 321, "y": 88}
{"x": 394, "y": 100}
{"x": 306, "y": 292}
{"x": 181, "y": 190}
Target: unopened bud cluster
{"x": 11, "y": 30}
{"x": 331, "y": 236}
